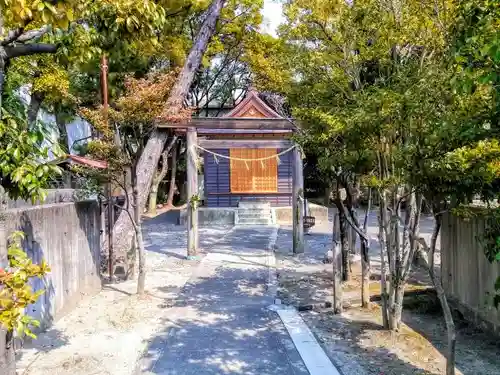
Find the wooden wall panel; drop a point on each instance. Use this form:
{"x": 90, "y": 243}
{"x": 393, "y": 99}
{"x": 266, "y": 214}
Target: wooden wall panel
{"x": 217, "y": 183}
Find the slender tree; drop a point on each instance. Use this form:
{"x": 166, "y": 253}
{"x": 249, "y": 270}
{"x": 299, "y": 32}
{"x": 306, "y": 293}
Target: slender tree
{"x": 173, "y": 176}
{"x": 162, "y": 173}
{"x": 173, "y": 106}
{"x": 133, "y": 119}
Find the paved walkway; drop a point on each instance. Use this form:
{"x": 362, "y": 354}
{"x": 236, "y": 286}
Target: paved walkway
{"x": 220, "y": 323}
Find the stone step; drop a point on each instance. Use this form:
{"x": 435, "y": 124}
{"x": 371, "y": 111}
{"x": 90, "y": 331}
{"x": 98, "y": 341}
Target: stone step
{"x": 254, "y": 212}
{"x": 254, "y": 205}
{"x": 254, "y": 221}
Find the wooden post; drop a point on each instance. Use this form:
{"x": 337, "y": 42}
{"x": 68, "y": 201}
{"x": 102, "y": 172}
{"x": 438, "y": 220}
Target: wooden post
{"x": 298, "y": 202}
{"x": 111, "y": 222}
{"x": 192, "y": 193}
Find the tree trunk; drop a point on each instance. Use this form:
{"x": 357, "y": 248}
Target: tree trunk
{"x": 141, "y": 252}
{"x": 365, "y": 275}
{"x": 173, "y": 173}
{"x": 7, "y": 355}
{"x": 436, "y": 281}
{"x": 337, "y": 279}
{"x": 337, "y": 270}
{"x": 383, "y": 263}
{"x": 365, "y": 258}
{"x": 151, "y": 155}
{"x": 3, "y": 61}
{"x": 34, "y": 107}
{"x": 396, "y": 296}
{"x": 326, "y": 197}
{"x": 344, "y": 245}
{"x": 450, "y": 326}
{"x": 153, "y": 195}
{"x": 344, "y": 239}
{"x": 63, "y": 132}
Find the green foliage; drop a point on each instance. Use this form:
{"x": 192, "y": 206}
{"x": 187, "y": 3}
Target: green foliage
{"x": 491, "y": 237}
{"x": 368, "y": 80}
{"x": 401, "y": 95}
{"x": 194, "y": 202}
{"x": 477, "y": 55}
{"x": 17, "y": 13}
{"x": 23, "y": 167}
{"x": 16, "y": 292}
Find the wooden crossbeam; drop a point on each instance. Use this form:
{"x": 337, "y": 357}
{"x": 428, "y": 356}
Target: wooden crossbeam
{"x": 238, "y": 132}
{"x": 232, "y": 123}
{"x": 240, "y": 143}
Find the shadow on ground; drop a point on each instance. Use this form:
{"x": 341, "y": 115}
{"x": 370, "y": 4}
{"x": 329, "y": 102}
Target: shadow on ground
{"x": 219, "y": 323}
{"x": 304, "y": 280}
{"x": 163, "y": 236}
{"x": 476, "y": 350}
{"x": 344, "y": 341}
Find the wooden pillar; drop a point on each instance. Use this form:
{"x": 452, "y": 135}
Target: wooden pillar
{"x": 192, "y": 193}
{"x": 298, "y": 202}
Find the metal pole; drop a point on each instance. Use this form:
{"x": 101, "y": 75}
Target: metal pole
{"x": 104, "y": 84}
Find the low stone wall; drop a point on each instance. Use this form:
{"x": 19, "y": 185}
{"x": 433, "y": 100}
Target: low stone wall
{"x": 211, "y": 216}
{"x": 227, "y": 215}
{"x": 53, "y": 196}
{"x": 67, "y": 236}
{"x": 284, "y": 215}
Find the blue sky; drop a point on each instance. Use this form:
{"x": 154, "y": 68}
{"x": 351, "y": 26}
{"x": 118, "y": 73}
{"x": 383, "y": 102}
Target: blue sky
{"x": 272, "y": 16}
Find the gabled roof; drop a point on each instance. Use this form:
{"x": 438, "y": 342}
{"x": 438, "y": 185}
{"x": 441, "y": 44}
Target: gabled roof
{"x": 252, "y": 107}
{"x": 80, "y": 160}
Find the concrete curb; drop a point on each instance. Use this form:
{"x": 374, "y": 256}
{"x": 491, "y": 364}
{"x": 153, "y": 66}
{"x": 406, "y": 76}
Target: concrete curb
{"x": 310, "y": 351}
{"x": 314, "y": 357}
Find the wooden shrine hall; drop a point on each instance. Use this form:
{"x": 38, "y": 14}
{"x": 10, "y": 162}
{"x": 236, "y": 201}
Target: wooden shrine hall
{"x": 248, "y": 160}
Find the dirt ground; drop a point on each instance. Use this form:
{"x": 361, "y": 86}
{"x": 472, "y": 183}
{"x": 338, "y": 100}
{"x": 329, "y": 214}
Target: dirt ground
{"x": 357, "y": 336}
{"x": 107, "y": 333}
{"x": 356, "y": 342}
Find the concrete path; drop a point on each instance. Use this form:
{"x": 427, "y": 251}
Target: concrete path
{"x": 220, "y": 323}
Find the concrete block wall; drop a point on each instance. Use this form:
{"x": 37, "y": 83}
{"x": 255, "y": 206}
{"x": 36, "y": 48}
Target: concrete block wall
{"x": 68, "y": 237}
{"x": 468, "y": 277}
{"x": 227, "y": 215}
{"x": 284, "y": 215}
{"x": 53, "y": 196}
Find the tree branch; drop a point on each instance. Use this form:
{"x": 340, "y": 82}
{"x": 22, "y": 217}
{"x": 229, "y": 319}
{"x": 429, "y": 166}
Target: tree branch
{"x": 354, "y": 226}
{"x": 164, "y": 168}
{"x": 12, "y": 36}
{"x": 29, "y": 49}
{"x": 33, "y": 34}
{"x": 323, "y": 29}
{"x": 185, "y": 8}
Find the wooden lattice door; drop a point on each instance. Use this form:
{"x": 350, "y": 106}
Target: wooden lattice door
{"x": 254, "y": 176}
